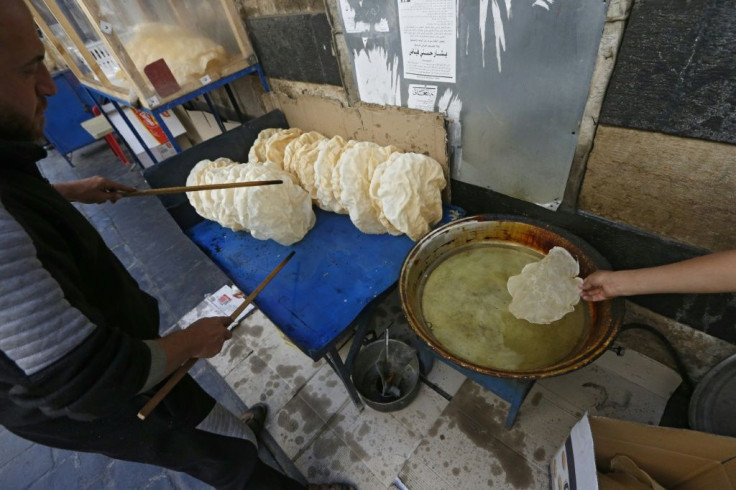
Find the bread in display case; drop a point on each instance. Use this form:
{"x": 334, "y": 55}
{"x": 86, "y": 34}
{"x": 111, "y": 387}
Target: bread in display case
{"x": 146, "y": 53}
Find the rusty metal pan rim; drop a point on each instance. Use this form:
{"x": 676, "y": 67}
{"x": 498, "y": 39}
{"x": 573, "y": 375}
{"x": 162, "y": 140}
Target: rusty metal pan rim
{"x": 574, "y": 363}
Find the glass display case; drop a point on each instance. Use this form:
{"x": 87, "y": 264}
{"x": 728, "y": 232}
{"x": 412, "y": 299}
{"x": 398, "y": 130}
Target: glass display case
{"x": 146, "y": 53}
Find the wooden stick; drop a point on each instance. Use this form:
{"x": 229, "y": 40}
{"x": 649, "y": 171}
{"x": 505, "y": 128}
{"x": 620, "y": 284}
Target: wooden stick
{"x": 184, "y": 368}
{"x": 193, "y": 188}
{"x": 235, "y": 314}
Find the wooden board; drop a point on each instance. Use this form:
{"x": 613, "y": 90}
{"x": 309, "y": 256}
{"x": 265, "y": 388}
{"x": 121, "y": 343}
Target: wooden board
{"x": 408, "y": 129}
{"x": 676, "y": 71}
{"x": 682, "y": 189}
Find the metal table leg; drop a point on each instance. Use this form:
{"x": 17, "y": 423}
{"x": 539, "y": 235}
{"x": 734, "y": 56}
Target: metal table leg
{"x": 138, "y": 137}
{"x": 234, "y": 103}
{"x": 345, "y": 370}
{"x": 216, "y": 114}
{"x": 169, "y": 135}
{"x": 334, "y": 360}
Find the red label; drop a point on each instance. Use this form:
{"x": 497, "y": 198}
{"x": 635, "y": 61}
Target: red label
{"x": 151, "y": 125}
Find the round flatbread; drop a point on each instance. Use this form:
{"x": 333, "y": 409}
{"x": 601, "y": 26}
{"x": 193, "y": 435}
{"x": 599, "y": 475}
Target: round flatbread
{"x": 282, "y": 212}
{"x": 356, "y": 167}
{"x": 301, "y": 163}
{"x": 257, "y": 152}
{"x": 276, "y": 144}
{"x": 295, "y": 149}
{"x": 407, "y": 191}
{"x": 328, "y": 154}
{"x": 203, "y": 201}
{"x": 546, "y": 290}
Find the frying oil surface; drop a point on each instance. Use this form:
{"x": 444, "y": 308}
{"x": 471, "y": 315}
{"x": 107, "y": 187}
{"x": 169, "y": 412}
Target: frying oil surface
{"x": 465, "y": 301}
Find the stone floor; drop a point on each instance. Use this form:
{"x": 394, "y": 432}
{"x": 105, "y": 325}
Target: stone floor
{"x": 450, "y": 436}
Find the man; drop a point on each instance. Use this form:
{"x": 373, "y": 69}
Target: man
{"x": 79, "y": 347}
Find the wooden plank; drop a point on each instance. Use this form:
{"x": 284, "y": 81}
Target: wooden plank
{"x": 676, "y": 71}
{"x": 680, "y": 188}
{"x": 189, "y": 87}
{"x": 111, "y": 90}
{"x": 74, "y": 36}
{"x": 117, "y": 51}
{"x": 60, "y": 48}
{"x": 238, "y": 29}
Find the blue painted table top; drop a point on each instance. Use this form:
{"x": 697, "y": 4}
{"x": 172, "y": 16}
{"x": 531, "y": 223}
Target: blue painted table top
{"x": 336, "y": 272}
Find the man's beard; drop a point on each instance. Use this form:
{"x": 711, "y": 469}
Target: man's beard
{"x": 14, "y": 127}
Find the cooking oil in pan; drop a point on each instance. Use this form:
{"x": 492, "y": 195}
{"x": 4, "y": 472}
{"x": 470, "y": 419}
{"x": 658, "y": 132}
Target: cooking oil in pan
{"x": 465, "y": 303}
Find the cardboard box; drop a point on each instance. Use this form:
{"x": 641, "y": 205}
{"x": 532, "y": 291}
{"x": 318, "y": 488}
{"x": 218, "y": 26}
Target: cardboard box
{"x": 410, "y": 130}
{"x": 677, "y": 459}
{"x": 148, "y": 130}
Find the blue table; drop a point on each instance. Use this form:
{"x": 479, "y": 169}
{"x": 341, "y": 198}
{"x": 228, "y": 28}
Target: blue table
{"x": 330, "y": 286}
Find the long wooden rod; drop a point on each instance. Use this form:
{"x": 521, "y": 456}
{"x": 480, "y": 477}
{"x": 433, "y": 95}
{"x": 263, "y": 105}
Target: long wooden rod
{"x": 193, "y": 188}
{"x": 184, "y": 368}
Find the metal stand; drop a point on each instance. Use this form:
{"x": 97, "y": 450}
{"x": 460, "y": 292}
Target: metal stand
{"x": 156, "y": 112}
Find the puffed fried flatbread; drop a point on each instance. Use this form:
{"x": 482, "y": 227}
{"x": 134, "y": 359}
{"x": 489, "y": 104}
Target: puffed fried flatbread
{"x": 299, "y": 158}
{"x": 356, "y": 167}
{"x": 546, "y": 290}
{"x": 257, "y": 152}
{"x": 324, "y": 167}
{"x": 407, "y": 191}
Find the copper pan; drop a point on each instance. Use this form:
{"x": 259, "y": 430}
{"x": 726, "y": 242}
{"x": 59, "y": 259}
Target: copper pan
{"x": 605, "y": 316}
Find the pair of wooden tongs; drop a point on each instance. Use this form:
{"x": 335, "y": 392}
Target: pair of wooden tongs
{"x": 192, "y": 188}
{"x": 184, "y": 368}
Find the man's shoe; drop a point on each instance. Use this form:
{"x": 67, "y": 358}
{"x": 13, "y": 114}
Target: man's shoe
{"x": 255, "y": 417}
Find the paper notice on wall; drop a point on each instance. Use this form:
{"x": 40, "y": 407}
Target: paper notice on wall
{"x": 427, "y": 29}
{"x": 422, "y": 97}
{"x": 359, "y": 18}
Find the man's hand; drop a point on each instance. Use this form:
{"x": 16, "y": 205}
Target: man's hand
{"x": 202, "y": 339}
{"x": 93, "y": 190}
{"x": 207, "y": 335}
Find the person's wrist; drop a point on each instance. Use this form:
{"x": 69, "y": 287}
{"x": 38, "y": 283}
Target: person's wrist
{"x": 192, "y": 346}
{"x": 623, "y": 283}
{"x": 185, "y": 343}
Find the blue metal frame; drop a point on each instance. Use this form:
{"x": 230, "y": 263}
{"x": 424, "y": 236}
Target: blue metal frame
{"x": 65, "y": 113}
{"x": 156, "y": 112}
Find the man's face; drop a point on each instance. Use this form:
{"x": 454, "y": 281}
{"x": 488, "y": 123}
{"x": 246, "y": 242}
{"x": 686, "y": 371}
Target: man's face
{"x": 24, "y": 82}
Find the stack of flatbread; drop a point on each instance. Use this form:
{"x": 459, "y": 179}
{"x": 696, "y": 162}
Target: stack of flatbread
{"x": 382, "y": 189}
{"x": 281, "y": 212}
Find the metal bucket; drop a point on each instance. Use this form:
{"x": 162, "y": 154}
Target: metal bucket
{"x": 604, "y": 317}
{"x": 368, "y": 383}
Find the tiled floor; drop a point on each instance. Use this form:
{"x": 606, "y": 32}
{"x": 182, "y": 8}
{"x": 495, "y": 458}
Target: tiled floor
{"x": 436, "y": 442}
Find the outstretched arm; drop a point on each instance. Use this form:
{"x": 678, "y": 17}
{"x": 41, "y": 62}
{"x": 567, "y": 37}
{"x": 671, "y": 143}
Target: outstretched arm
{"x": 712, "y": 273}
{"x": 92, "y": 190}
